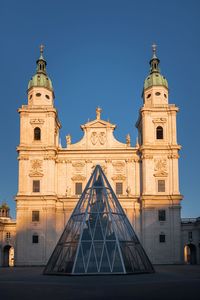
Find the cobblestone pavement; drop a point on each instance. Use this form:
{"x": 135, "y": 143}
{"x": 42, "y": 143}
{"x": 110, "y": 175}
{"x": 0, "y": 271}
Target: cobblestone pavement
{"x": 169, "y": 282}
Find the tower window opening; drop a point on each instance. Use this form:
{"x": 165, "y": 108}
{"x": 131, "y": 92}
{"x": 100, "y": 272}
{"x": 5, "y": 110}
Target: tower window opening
{"x": 35, "y": 216}
{"x": 149, "y": 95}
{"x": 37, "y": 134}
{"x": 159, "y": 133}
{"x": 165, "y": 95}
{"x": 157, "y": 93}
{"x": 36, "y": 186}
{"x": 161, "y": 186}
{"x": 119, "y": 188}
{"x": 162, "y": 215}
{"x": 38, "y": 95}
{"x": 47, "y": 96}
{"x": 78, "y": 188}
{"x": 35, "y": 238}
{"x": 8, "y": 235}
{"x": 162, "y": 238}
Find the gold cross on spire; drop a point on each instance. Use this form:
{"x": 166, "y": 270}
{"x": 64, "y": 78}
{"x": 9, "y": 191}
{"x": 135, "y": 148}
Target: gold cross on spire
{"x": 41, "y": 48}
{"x": 154, "y": 46}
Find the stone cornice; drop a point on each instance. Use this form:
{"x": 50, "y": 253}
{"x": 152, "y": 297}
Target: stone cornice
{"x": 35, "y": 197}
{"x": 125, "y": 151}
{"x": 176, "y": 197}
{"x": 162, "y": 107}
{"x": 163, "y": 146}
{"x": 37, "y": 109}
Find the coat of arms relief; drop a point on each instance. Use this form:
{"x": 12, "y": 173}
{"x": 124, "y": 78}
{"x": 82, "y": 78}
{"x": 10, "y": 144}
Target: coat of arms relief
{"x": 98, "y": 138}
{"x": 160, "y": 167}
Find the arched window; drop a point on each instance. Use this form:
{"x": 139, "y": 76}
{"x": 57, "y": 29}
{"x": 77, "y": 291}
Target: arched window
{"x": 37, "y": 134}
{"x": 159, "y": 133}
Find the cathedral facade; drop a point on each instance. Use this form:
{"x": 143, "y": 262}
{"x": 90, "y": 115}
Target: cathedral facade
{"x": 144, "y": 176}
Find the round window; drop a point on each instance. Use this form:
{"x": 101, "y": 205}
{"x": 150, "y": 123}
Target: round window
{"x": 157, "y": 93}
{"x": 38, "y": 95}
{"x": 47, "y": 96}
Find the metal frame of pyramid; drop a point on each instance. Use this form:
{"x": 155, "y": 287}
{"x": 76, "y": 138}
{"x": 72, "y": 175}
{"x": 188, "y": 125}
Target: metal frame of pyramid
{"x": 98, "y": 238}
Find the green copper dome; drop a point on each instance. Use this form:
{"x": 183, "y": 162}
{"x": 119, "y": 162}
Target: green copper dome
{"x": 41, "y": 79}
{"x": 155, "y": 78}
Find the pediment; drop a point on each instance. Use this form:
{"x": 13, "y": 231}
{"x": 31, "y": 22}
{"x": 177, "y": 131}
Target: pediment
{"x": 98, "y": 124}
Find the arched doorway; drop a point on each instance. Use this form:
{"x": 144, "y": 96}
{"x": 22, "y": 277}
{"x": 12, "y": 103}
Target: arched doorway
{"x": 8, "y": 256}
{"x": 190, "y": 254}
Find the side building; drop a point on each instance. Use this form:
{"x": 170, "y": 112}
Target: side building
{"x": 52, "y": 177}
{"x": 7, "y": 237}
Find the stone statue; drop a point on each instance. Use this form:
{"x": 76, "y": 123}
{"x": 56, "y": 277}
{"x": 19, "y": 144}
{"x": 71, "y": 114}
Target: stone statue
{"x": 68, "y": 139}
{"x": 128, "y": 140}
{"x": 128, "y": 191}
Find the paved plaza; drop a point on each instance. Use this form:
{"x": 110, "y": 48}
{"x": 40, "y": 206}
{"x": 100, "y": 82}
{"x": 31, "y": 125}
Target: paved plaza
{"x": 169, "y": 282}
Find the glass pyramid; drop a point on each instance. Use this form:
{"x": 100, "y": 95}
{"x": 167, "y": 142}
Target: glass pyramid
{"x": 98, "y": 238}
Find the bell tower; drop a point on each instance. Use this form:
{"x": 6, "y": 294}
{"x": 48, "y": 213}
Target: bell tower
{"x": 37, "y": 190}
{"x": 160, "y": 195}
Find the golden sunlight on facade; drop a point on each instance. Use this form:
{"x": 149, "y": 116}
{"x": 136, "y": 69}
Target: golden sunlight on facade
{"x": 144, "y": 176}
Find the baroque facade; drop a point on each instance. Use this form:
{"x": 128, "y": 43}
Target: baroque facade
{"x": 144, "y": 176}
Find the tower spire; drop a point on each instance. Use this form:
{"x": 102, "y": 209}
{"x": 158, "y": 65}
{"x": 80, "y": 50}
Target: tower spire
{"x": 41, "y": 51}
{"x": 154, "y": 62}
{"x": 41, "y": 62}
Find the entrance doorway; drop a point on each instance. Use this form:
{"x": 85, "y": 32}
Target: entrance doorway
{"x": 8, "y": 256}
{"x": 190, "y": 254}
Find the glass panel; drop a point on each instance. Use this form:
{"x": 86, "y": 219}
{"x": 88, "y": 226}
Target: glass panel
{"x": 79, "y": 267}
{"x": 86, "y": 246}
{"x": 98, "y": 248}
{"x": 92, "y": 265}
{"x": 105, "y": 267}
{"x": 98, "y": 232}
{"x": 110, "y": 246}
{"x": 117, "y": 265}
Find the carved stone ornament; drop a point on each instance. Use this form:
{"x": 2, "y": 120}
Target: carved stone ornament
{"x": 87, "y": 161}
{"x": 78, "y": 177}
{"x": 49, "y": 157}
{"x": 119, "y": 166}
{"x": 98, "y": 138}
{"x": 94, "y": 138}
{"x": 37, "y": 121}
{"x": 23, "y": 157}
{"x": 36, "y": 170}
{"x": 78, "y": 165}
{"x": 118, "y": 177}
{"x": 160, "y": 166}
{"x": 173, "y": 156}
{"x": 108, "y": 161}
{"x": 160, "y": 120}
{"x": 147, "y": 156}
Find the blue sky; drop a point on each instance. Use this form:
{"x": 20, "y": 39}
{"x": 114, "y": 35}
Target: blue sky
{"x": 98, "y": 53}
